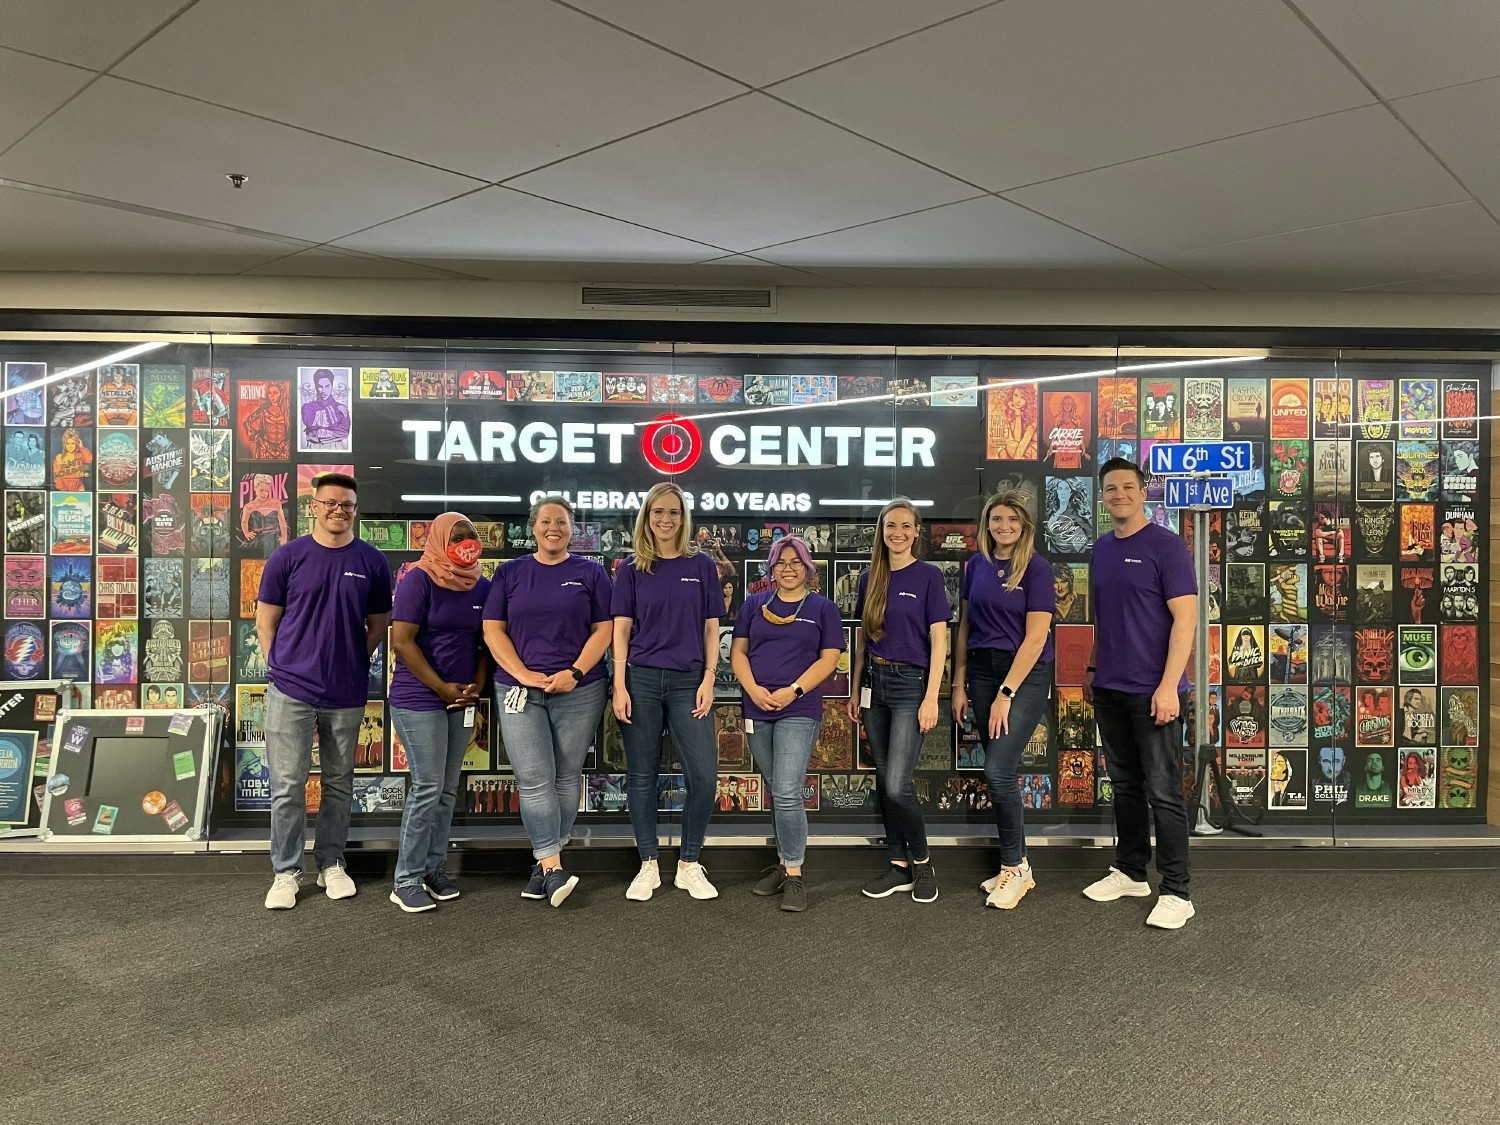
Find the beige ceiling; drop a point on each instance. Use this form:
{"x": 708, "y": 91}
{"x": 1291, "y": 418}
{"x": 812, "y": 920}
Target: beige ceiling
{"x": 1100, "y": 144}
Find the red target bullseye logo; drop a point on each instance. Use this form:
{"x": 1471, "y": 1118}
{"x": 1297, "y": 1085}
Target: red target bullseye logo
{"x": 671, "y": 444}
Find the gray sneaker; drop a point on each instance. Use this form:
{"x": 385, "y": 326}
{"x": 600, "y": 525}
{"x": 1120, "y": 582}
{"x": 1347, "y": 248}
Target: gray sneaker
{"x": 283, "y": 892}
{"x": 794, "y": 894}
{"x": 772, "y": 880}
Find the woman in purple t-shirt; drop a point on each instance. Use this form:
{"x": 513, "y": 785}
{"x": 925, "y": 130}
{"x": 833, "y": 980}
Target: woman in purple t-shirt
{"x": 787, "y": 641}
{"x": 902, "y": 605}
{"x": 547, "y": 624}
{"x": 667, "y": 604}
{"x": 1002, "y": 667}
{"x": 440, "y": 673}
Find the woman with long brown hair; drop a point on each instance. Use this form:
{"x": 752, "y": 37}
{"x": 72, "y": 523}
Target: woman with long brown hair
{"x": 1002, "y": 667}
{"x": 667, "y": 603}
{"x": 898, "y": 667}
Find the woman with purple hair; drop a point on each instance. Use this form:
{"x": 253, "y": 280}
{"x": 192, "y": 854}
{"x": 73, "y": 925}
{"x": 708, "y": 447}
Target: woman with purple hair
{"x": 787, "y": 641}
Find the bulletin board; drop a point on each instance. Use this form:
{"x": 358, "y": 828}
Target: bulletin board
{"x": 130, "y": 776}
{"x": 28, "y": 713}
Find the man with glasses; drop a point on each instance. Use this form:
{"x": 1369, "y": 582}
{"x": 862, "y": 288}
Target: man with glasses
{"x": 323, "y": 607}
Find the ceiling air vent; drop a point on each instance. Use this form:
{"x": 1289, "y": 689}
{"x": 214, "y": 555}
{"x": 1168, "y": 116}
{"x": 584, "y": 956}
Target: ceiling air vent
{"x": 677, "y": 298}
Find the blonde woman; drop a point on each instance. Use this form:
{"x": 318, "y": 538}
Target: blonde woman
{"x": 666, "y": 605}
{"x": 1002, "y": 668}
{"x": 903, "y": 610}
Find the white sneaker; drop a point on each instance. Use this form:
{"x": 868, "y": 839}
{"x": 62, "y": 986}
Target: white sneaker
{"x": 283, "y": 892}
{"x": 646, "y": 880}
{"x": 1170, "y": 913}
{"x": 691, "y": 877}
{"x": 336, "y": 882}
{"x": 1010, "y": 887}
{"x": 1115, "y": 885}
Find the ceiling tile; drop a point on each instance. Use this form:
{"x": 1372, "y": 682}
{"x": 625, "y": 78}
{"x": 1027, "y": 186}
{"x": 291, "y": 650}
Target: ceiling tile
{"x": 489, "y": 90}
{"x": 1403, "y": 47}
{"x": 480, "y": 232}
{"x": 985, "y": 233}
{"x": 939, "y": 277}
{"x": 332, "y": 263}
{"x": 772, "y": 39}
{"x": 1461, "y": 125}
{"x": 1343, "y": 166}
{"x": 121, "y": 141}
{"x": 49, "y": 234}
{"x": 31, "y": 88}
{"x": 1034, "y": 89}
{"x": 1436, "y": 242}
{"x": 743, "y": 175}
{"x": 85, "y": 32}
{"x": 1486, "y": 282}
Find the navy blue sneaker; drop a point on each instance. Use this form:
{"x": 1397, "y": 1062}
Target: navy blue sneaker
{"x": 536, "y": 886}
{"x": 559, "y": 885}
{"x": 439, "y": 886}
{"x": 413, "y": 900}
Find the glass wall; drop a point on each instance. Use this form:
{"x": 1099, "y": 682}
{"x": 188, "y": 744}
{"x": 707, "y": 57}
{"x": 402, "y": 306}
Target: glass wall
{"x": 1344, "y": 625}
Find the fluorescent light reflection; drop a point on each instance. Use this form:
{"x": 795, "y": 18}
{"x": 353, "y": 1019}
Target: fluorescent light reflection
{"x": 848, "y": 503}
{"x": 113, "y": 357}
{"x": 440, "y": 498}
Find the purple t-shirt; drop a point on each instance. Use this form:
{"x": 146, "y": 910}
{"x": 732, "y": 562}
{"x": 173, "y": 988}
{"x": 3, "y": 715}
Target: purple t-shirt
{"x": 449, "y": 633}
{"x": 781, "y": 653}
{"x": 320, "y": 654}
{"x": 670, "y": 608}
{"x": 549, "y": 612}
{"x": 997, "y": 616}
{"x": 915, "y": 600}
{"x": 1133, "y": 579}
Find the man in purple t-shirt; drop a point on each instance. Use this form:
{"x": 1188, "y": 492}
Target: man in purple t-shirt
{"x": 1145, "y": 609}
{"x": 322, "y": 609}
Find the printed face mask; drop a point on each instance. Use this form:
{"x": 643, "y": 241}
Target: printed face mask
{"x": 465, "y": 552}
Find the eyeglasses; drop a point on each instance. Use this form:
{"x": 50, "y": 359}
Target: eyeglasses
{"x": 794, "y": 564}
{"x": 331, "y": 506}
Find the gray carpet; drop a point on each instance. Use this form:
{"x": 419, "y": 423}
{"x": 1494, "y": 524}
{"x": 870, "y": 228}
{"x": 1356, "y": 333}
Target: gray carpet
{"x": 1308, "y": 996}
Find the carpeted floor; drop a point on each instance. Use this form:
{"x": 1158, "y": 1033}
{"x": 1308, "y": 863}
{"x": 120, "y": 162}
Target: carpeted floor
{"x": 1293, "y": 997}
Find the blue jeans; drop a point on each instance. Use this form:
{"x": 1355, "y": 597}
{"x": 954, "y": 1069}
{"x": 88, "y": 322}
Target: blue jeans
{"x": 547, "y": 743}
{"x": 665, "y": 697}
{"x": 895, "y": 740}
{"x": 1145, "y": 763}
{"x": 782, "y": 750}
{"x": 435, "y": 743}
{"x": 988, "y": 668}
{"x": 289, "y": 734}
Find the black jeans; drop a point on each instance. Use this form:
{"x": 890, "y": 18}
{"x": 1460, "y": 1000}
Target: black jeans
{"x": 1145, "y": 763}
{"x": 988, "y": 668}
{"x": 895, "y": 739}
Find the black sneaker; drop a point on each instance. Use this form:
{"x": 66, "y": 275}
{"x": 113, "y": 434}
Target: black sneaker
{"x": 772, "y": 879}
{"x": 925, "y": 887}
{"x": 794, "y": 894}
{"x": 439, "y": 886}
{"x": 536, "y": 886}
{"x": 894, "y": 878}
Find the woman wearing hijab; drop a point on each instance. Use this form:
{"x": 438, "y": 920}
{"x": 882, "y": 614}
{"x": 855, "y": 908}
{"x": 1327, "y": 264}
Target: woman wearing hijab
{"x": 441, "y": 670}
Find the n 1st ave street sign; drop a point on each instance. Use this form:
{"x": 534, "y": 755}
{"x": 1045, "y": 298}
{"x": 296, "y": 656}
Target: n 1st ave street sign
{"x": 1199, "y": 492}
{"x": 1186, "y": 458}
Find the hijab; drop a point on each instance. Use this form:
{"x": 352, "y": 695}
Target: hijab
{"x": 443, "y": 570}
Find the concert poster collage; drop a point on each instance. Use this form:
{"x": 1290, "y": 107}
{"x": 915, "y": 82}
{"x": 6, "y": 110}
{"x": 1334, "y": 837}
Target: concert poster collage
{"x": 1347, "y": 608}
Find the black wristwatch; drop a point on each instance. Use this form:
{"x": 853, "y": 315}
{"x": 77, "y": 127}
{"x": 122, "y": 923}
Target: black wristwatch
{"x": 797, "y": 690}
{"x": 1007, "y": 691}
{"x": 577, "y": 675}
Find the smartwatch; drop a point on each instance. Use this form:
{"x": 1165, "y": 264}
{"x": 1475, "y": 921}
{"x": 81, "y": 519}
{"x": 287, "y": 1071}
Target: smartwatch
{"x": 797, "y": 690}
{"x": 1007, "y": 691}
{"x": 577, "y": 675}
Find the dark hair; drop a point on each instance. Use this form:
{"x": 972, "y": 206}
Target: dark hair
{"x": 536, "y": 509}
{"x": 338, "y": 480}
{"x": 1114, "y": 464}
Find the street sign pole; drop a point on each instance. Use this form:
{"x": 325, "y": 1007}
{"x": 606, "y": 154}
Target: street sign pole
{"x": 1204, "y": 748}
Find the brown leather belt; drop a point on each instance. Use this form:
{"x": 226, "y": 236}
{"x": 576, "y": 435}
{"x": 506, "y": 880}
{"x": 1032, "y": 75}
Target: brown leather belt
{"x": 890, "y": 663}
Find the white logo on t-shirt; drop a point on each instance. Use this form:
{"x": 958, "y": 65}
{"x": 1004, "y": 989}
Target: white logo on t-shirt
{"x": 1133, "y": 560}
{"x": 354, "y": 574}
{"x": 689, "y": 580}
{"x": 571, "y": 583}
